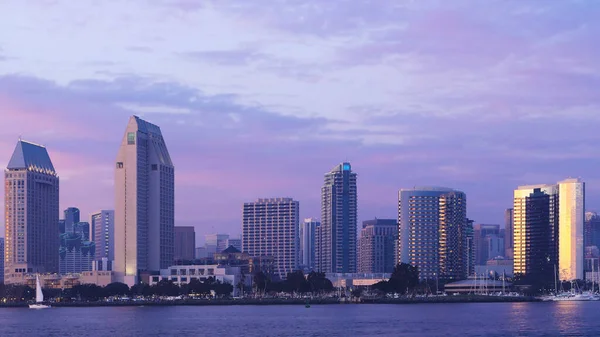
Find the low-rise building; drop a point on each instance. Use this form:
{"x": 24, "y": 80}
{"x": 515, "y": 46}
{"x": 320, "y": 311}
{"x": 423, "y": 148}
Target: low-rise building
{"x": 56, "y": 281}
{"x": 350, "y": 280}
{"x": 181, "y": 275}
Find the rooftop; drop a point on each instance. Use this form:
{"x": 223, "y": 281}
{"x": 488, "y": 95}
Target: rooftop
{"x": 31, "y": 156}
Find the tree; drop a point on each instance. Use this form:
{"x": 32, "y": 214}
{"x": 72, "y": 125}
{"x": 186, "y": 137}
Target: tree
{"x": 166, "y": 288}
{"x": 319, "y": 283}
{"x": 142, "y": 289}
{"x": 404, "y": 278}
{"x": 260, "y": 282}
{"x": 116, "y": 289}
{"x": 222, "y": 289}
{"x": 296, "y": 282}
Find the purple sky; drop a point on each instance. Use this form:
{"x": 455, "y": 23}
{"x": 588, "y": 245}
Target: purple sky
{"x": 261, "y": 98}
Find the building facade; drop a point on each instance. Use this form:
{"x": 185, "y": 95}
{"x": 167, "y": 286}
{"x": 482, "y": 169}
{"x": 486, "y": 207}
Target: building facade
{"x": 307, "y": 243}
{"x": 185, "y": 243}
{"x": 536, "y": 232}
{"x": 31, "y": 202}
{"x": 337, "y": 242}
{"x": 270, "y": 228}
{"x": 592, "y": 229}
{"x": 508, "y": 233}
{"x": 215, "y": 243}
{"x": 377, "y": 246}
{"x": 571, "y": 210}
{"x": 144, "y": 202}
{"x": 103, "y": 224}
{"x": 433, "y": 232}
{"x": 235, "y": 243}
{"x": 2, "y": 260}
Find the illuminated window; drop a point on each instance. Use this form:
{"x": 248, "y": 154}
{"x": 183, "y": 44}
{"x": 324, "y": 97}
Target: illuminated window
{"x": 130, "y": 138}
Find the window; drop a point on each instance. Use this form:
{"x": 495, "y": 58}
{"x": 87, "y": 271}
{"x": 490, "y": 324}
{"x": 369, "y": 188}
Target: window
{"x": 154, "y": 167}
{"x": 130, "y": 138}
{"x": 120, "y": 165}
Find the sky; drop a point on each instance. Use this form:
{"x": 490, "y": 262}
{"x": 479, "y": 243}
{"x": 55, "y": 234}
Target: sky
{"x": 260, "y": 98}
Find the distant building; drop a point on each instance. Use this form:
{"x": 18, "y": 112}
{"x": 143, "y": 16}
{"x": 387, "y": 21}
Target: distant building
{"x": 144, "y": 202}
{"x": 377, "y": 246}
{"x": 433, "y": 232}
{"x": 592, "y": 229}
{"x": 31, "y": 187}
{"x": 215, "y": 243}
{"x": 337, "y": 240}
{"x": 185, "y": 242}
{"x": 484, "y": 235}
{"x": 307, "y": 243}
{"x": 352, "y": 280}
{"x": 72, "y": 217}
{"x": 103, "y": 225}
{"x": 470, "y": 234}
{"x": 200, "y": 253}
{"x": 270, "y": 228}
{"x": 508, "y": 233}
{"x": 235, "y": 243}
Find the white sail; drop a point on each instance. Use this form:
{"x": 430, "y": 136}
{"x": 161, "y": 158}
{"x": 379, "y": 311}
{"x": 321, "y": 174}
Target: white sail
{"x": 39, "y": 295}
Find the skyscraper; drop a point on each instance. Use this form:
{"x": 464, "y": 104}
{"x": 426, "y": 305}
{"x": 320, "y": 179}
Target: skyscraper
{"x": 549, "y": 231}
{"x": 72, "y": 217}
{"x": 592, "y": 229}
{"x": 336, "y": 244}
{"x": 508, "y": 233}
{"x": 377, "y": 246}
{"x": 571, "y": 210}
{"x": 483, "y": 236}
{"x": 536, "y": 232}
{"x": 433, "y": 232}
{"x": 144, "y": 202}
{"x": 270, "y": 228}
{"x": 31, "y": 212}
{"x": 215, "y": 243}
{"x": 185, "y": 243}
{"x": 235, "y": 243}
{"x": 103, "y": 223}
{"x": 307, "y": 242}
{"x": 2, "y": 260}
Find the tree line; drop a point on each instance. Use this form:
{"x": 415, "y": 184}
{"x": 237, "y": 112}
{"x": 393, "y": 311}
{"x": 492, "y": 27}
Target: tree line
{"x": 295, "y": 282}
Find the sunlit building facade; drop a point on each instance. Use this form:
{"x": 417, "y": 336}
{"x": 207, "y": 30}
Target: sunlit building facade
{"x": 571, "y": 210}
{"x": 433, "y": 232}
{"x": 31, "y": 201}
{"x": 144, "y": 203}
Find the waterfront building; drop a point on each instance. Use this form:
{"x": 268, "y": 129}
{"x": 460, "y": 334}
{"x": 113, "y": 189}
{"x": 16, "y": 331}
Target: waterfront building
{"x": 270, "y": 228}
{"x": 182, "y": 275}
{"x": 352, "y": 280}
{"x": 31, "y": 212}
{"x": 508, "y": 233}
{"x": 307, "y": 243}
{"x": 103, "y": 229}
{"x": 536, "y": 232}
{"x": 571, "y": 210}
{"x": 337, "y": 242}
{"x": 144, "y": 202}
{"x": 433, "y": 232}
{"x": 185, "y": 242}
{"x": 377, "y": 246}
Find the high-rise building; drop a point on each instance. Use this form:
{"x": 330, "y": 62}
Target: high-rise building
{"x": 201, "y": 253}
{"x": 72, "y": 217}
{"x": 103, "y": 223}
{"x": 433, "y": 232}
{"x": 337, "y": 242}
{"x": 76, "y": 254}
{"x": 549, "y": 231}
{"x": 307, "y": 243}
{"x": 2, "y": 261}
{"x": 270, "y": 228}
{"x": 144, "y": 203}
{"x": 377, "y": 246}
{"x": 215, "y": 243}
{"x": 571, "y": 210}
{"x": 470, "y": 234}
{"x": 508, "y": 233}
{"x": 235, "y": 243}
{"x": 185, "y": 243}
{"x": 536, "y": 232}
{"x": 592, "y": 229}
{"x": 482, "y": 241}
{"x": 31, "y": 212}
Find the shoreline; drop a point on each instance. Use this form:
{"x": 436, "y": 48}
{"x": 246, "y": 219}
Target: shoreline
{"x": 272, "y": 301}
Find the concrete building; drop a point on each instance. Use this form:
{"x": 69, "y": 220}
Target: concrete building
{"x": 432, "y": 232}
{"x": 377, "y": 246}
{"x": 307, "y": 243}
{"x": 31, "y": 212}
{"x": 181, "y": 275}
{"x": 337, "y": 242}
{"x": 352, "y": 280}
{"x": 103, "y": 224}
{"x": 270, "y": 228}
{"x": 144, "y": 202}
{"x": 235, "y": 243}
{"x": 185, "y": 243}
{"x": 56, "y": 281}
{"x": 215, "y": 243}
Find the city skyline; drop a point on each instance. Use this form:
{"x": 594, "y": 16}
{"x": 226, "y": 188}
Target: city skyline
{"x": 403, "y": 116}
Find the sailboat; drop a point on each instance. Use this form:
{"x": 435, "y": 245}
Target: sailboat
{"x": 39, "y": 296}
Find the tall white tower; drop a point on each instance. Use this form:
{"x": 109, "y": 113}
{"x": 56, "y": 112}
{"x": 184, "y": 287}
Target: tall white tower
{"x": 144, "y": 203}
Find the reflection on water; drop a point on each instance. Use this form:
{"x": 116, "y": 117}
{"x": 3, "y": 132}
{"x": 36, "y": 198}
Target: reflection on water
{"x": 518, "y": 318}
{"x": 565, "y": 317}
